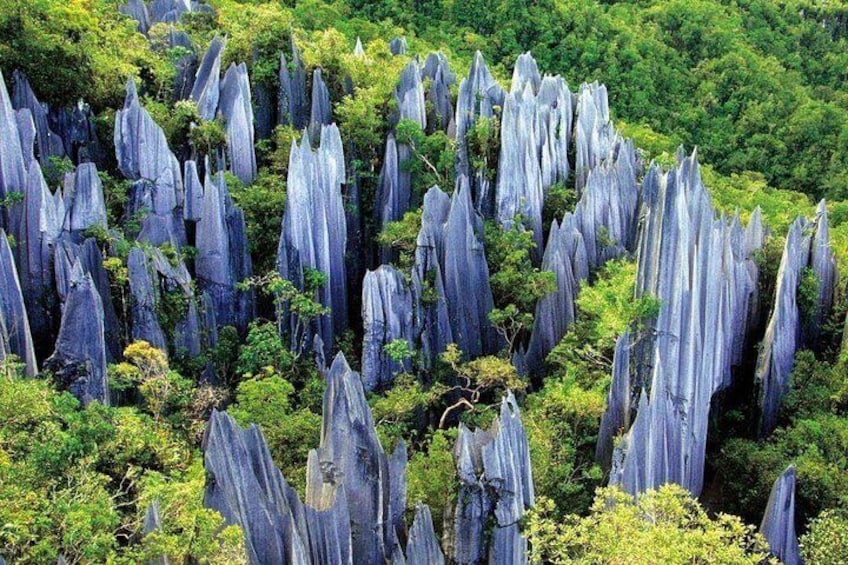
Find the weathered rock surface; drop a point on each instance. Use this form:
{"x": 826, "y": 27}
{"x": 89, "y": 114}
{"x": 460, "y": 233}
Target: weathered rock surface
{"x": 15, "y": 335}
{"x": 807, "y": 249}
{"x": 13, "y": 169}
{"x": 321, "y": 113}
{"x": 350, "y": 459}
{"x": 697, "y": 266}
{"x": 207, "y": 82}
{"x": 85, "y": 204}
{"x": 223, "y": 257}
{"x": 293, "y": 108}
{"x": 535, "y": 137}
{"x": 386, "y": 317}
{"x": 153, "y": 523}
{"x": 314, "y": 232}
{"x": 565, "y": 256}
{"x": 496, "y": 487}
{"x": 40, "y": 225}
{"x": 479, "y": 97}
{"x": 248, "y": 490}
{"x": 236, "y": 107}
{"x": 78, "y": 362}
{"x": 440, "y": 115}
{"x": 397, "y": 46}
{"x": 594, "y": 133}
{"x": 778, "y": 525}
{"x": 423, "y": 548}
{"x": 432, "y": 322}
{"x": 144, "y": 157}
{"x": 466, "y": 277}
{"x": 48, "y": 143}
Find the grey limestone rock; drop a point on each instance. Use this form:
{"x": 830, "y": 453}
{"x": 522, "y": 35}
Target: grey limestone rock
{"x": 696, "y": 265}
{"x": 207, "y": 82}
{"x": 85, "y": 204}
{"x": 778, "y": 525}
{"x": 48, "y": 143}
{"x": 293, "y": 106}
{"x": 236, "y": 107}
{"x": 397, "y": 46}
{"x": 78, "y": 362}
{"x": 466, "y": 277}
{"x": 15, "y": 334}
{"x": 314, "y": 231}
{"x": 496, "y": 486}
{"x": 535, "y": 136}
{"x": 223, "y": 259}
{"x": 422, "y": 548}
{"x": 807, "y": 247}
{"x": 480, "y": 96}
{"x": 144, "y": 157}
{"x": 322, "y": 111}
{"x": 565, "y": 256}
{"x": 137, "y": 10}
{"x": 351, "y": 458}
{"x": 386, "y": 317}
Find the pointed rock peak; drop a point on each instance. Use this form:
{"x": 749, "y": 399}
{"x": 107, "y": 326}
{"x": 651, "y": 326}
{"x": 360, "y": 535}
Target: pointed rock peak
{"x": 132, "y": 93}
{"x": 778, "y": 525}
{"x": 359, "y": 50}
{"x": 526, "y": 74}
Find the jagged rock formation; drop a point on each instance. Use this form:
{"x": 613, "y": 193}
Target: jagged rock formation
{"x": 606, "y": 212}
{"x": 76, "y": 127}
{"x": 594, "y": 133}
{"x": 85, "y": 204}
{"x": 40, "y": 225}
{"x": 223, "y": 259}
{"x": 432, "y": 322}
{"x": 616, "y": 417}
{"x": 248, "y": 490}
{"x": 164, "y": 309}
{"x": 314, "y": 232}
{"x": 397, "y": 46}
{"x": 13, "y": 169}
{"x": 422, "y": 547}
{"x": 394, "y": 191}
{"x": 355, "y": 495}
{"x": 441, "y": 113}
{"x": 207, "y": 82}
{"x": 358, "y": 49}
{"x": 535, "y": 137}
{"x": 236, "y": 107}
{"x": 386, "y": 317}
{"x": 790, "y": 327}
{"x": 137, "y": 10}
{"x": 322, "y": 112}
{"x": 351, "y": 460}
{"x": 778, "y": 525}
{"x": 496, "y": 488}
{"x": 193, "y": 192}
{"x": 565, "y": 256}
{"x": 15, "y": 335}
{"x": 144, "y": 157}
{"x": 48, "y": 143}
{"x": 466, "y": 273}
{"x": 479, "y": 96}
{"x": 451, "y": 277}
{"x": 696, "y": 265}
{"x": 78, "y": 362}
{"x": 293, "y": 108}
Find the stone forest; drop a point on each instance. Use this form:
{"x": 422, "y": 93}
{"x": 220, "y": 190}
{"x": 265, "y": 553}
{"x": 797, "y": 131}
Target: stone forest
{"x": 423, "y": 282}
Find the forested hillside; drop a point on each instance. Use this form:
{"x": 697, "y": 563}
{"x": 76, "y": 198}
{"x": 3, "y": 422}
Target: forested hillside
{"x": 423, "y": 281}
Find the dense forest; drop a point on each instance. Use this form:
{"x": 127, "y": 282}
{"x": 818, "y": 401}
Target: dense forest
{"x": 423, "y": 281}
